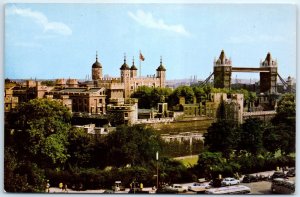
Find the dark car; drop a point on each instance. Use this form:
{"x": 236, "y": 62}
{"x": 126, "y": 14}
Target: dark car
{"x": 248, "y": 178}
{"x": 164, "y": 190}
{"x": 278, "y": 175}
{"x": 215, "y": 182}
{"x": 291, "y": 172}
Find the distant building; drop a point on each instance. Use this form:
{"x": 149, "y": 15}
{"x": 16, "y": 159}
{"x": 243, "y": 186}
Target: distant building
{"x": 126, "y": 113}
{"x": 16, "y": 93}
{"x": 84, "y": 100}
{"x": 232, "y": 107}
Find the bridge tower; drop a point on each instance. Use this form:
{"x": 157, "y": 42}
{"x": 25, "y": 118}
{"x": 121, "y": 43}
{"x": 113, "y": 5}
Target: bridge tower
{"x": 222, "y": 71}
{"x": 268, "y": 79}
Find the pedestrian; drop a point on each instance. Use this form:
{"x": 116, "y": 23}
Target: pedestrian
{"x": 65, "y": 187}
{"x": 60, "y": 185}
{"x": 48, "y": 186}
{"x": 141, "y": 186}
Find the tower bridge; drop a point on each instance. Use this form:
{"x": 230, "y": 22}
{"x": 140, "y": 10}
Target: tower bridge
{"x": 249, "y": 69}
{"x": 268, "y": 72}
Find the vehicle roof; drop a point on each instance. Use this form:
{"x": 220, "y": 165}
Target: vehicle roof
{"x": 229, "y": 189}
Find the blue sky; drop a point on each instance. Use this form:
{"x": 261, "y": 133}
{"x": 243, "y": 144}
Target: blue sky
{"x": 49, "y": 41}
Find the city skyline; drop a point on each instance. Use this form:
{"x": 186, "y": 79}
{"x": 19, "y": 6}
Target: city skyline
{"x": 49, "y": 41}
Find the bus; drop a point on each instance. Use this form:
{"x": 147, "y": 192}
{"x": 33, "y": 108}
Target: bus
{"x": 282, "y": 186}
{"x": 235, "y": 189}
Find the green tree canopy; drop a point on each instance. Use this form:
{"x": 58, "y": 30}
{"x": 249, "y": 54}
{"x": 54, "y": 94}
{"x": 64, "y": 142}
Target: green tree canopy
{"x": 182, "y": 91}
{"x": 286, "y": 108}
{"x": 222, "y": 136}
{"x": 282, "y": 133}
{"x": 149, "y": 97}
{"x": 80, "y": 147}
{"x": 252, "y": 136}
{"x": 135, "y": 145}
{"x": 40, "y": 131}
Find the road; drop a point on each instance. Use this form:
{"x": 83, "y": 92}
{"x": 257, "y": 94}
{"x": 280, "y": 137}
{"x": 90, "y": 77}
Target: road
{"x": 261, "y": 187}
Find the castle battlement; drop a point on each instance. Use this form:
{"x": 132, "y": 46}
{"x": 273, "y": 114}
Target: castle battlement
{"x": 109, "y": 79}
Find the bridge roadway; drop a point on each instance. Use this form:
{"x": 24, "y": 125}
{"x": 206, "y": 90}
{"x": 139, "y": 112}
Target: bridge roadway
{"x": 249, "y": 69}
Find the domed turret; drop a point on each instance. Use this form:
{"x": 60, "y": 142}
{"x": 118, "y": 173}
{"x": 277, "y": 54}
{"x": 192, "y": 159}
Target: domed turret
{"x": 133, "y": 69}
{"x": 124, "y": 65}
{"x": 161, "y": 67}
{"x": 96, "y": 69}
{"x": 133, "y": 66}
{"x": 97, "y": 64}
{"x": 161, "y": 74}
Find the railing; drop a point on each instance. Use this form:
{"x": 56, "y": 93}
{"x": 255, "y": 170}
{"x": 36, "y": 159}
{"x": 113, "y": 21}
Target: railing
{"x": 259, "y": 113}
{"x": 154, "y": 120}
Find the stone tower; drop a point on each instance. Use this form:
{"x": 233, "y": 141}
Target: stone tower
{"x": 222, "y": 71}
{"x": 96, "y": 69}
{"x": 268, "y": 79}
{"x": 290, "y": 84}
{"x": 133, "y": 70}
{"x": 125, "y": 78}
{"x": 161, "y": 74}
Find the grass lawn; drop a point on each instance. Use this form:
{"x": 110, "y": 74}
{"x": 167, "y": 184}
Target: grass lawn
{"x": 188, "y": 161}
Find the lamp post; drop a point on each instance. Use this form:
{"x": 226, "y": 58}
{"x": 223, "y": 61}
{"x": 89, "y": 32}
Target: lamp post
{"x": 157, "y": 170}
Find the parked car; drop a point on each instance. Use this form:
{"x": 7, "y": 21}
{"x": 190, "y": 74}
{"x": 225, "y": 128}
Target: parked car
{"x": 118, "y": 186}
{"x": 248, "y": 178}
{"x": 278, "y": 175}
{"x": 215, "y": 182}
{"x": 282, "y": 186}
{"x": 177, "y": 188}
{"x": 199, "y": 187}
{"x": 230, "y": 181}
{"x": 263, "y": 178}
{"x": 291, "y": 172}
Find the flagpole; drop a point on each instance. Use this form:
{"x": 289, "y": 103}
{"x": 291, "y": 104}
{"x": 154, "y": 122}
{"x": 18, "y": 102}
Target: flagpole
{"x": 140, "y": 64}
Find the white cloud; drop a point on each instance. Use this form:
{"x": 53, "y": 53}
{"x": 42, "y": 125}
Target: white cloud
{"x": 147, "y": 20}
{"x": 41, "y": 19}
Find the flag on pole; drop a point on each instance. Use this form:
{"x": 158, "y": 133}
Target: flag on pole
{"x": 157, "y": 155}
{"x": 142, "y": 57}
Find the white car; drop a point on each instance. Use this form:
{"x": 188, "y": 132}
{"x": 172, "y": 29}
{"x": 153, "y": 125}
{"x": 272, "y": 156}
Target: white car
{"x": 198, "y": 187}
{"x": 230, "y": 181}
{"x": 176, "y": 188}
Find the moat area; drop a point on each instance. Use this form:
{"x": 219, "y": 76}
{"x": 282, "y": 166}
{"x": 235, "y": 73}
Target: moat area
{"x": 194, "y": 126}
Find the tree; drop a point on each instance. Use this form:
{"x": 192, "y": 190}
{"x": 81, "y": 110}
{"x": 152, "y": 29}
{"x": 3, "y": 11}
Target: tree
{"x": 143, "y": 93}
{"x": 172, "y": 171}
{"x": 199, "y": 93}
{"x": 135, "y": 145}
{"x": 182, "y": 91}
{"x": 23, "y": 176}
{"x": 80, "y": 148}
{"x": 211, "y": 164}
{"x": 149, "y": 97}
{"x": 252, "y": 136}
{"x": 40, "y": 132}
{"x": 286, "y": 108}
{"x": 208, "y": 164}
{"x": 222, "y": 136}
{"x": 282, "y": 133}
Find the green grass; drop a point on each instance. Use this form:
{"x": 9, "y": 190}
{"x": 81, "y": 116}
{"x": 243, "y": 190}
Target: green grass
{"x": 189, "y": 161}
